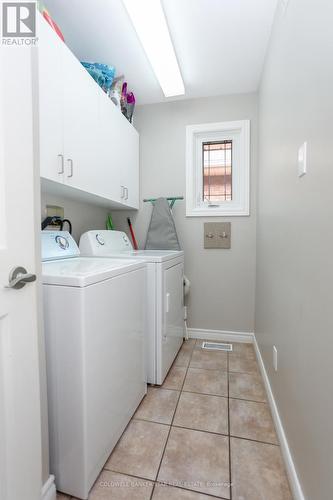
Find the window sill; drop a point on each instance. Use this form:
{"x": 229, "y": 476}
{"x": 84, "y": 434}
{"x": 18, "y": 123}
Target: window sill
{"x": 217, "y": 212}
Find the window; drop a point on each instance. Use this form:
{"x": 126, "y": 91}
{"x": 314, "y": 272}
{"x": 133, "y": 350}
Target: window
{"x": 217, "y": 164}
{"x": 217, "y": 171}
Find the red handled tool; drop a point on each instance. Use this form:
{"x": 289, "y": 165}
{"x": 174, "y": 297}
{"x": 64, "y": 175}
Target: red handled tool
{"x": 135, "y": 245}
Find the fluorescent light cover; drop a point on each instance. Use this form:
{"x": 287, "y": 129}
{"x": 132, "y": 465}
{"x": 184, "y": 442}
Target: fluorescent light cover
{"x": 150, "y": 24}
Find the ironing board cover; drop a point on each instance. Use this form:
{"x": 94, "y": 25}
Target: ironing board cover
{"x": 162, "y": 234}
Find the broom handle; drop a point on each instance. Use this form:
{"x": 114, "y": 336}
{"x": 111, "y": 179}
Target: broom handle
{"x": 135, "y": 245}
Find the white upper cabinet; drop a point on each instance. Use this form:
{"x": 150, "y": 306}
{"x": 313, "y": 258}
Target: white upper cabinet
{"x": 130, "y": 166}
{"x": 86, "y": 144}
{"x": 50, "y": 95}
{"x": 119, "y": 154}
{"x": 121, "y": 161}
{"x": 83, "y": 168}
{"x": 110, "y": 156}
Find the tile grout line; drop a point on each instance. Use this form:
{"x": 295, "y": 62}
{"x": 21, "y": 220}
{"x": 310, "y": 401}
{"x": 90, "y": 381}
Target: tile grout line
{"x": 131, "y": 475}
{"x": 174, "y": 413}
{"x": 225, "y": 397}
{"x": 253, "y": 372}
{"x": 146, "y": 479}
{"x": 155, "y": 481}
{"x": 217, "y": 395}
{"x": 180, "y": 391}
{"x": 171, "y": 425}
{"x": 203, "y": 393}
{"x": 196, "y": 492}
{"x": 207, "y": 394}
{"x": 249, "y": 400}
{"x": 207, "y": 432}
{"x": 133, "y": 418}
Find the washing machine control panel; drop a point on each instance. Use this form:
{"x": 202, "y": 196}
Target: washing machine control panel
{"x": 103, "y": 242}
{"x": 100, "y": 239}
{"x": 62, "y": 242}
{"x": 58, "y": 245}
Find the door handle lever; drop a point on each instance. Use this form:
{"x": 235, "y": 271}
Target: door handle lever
{"x": 18, "y": 278}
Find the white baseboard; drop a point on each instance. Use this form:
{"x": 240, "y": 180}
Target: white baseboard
{"x": 49, "y": 489}
{"x": 288, "y": 459}
{"x": 222, "y": 335}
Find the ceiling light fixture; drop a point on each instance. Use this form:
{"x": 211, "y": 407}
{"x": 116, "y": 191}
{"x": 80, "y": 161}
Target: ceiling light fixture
{"x": 151, "y": 26}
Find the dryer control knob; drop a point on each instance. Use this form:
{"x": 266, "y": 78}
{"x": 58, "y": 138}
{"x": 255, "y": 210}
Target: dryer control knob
{"x": 100, "y": 239}
{"x": 62, "y": 242}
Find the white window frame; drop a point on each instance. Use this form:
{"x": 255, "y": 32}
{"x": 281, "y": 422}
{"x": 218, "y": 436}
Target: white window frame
{"x": 196, "y": 135}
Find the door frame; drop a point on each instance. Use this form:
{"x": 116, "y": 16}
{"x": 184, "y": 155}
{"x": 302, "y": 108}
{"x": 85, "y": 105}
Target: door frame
{"x": 19, "y": 135}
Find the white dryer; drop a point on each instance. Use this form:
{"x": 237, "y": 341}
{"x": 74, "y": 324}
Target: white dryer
{"x": 94, "y": 313}
{"x": 165, "y": 296}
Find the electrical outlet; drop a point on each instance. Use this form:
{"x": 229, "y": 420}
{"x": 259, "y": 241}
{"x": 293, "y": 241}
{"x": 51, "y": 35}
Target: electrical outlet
{"x": 302, "y": 160}
{"x": 275, "y": 356}
{"x": 54, "y": 211}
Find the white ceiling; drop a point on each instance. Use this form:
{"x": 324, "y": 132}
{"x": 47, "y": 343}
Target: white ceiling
{"x": 220, "y": 44}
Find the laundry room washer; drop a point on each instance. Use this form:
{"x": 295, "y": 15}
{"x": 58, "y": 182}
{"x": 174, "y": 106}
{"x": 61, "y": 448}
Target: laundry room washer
{"x": 165, "y": 295}
{"x": 94, "y": 315}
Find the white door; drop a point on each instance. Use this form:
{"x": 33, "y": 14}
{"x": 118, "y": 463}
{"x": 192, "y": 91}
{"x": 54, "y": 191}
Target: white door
{"x": 20, "y": 422}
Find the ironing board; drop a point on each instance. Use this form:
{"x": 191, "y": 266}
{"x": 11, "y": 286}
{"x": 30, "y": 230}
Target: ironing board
{"x": 162, "y": 234}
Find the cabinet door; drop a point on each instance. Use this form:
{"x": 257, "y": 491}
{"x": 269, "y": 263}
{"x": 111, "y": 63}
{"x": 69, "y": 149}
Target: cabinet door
{"x": 81, "y": 127}
{"x": 120, "y": 155}
{"x": 130, "y": 170}
{"x": 110, "y": 150}
{"x": 173, "y": 327}
{"x": 50, "y": 84}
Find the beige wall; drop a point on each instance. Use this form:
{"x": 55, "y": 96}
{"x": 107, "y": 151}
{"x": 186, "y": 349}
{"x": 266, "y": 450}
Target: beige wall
{"x": 295, "y": 235}
{"x": 222, "y": 293}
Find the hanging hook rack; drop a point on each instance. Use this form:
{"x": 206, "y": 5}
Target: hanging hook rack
{"x": 171, "y": 199}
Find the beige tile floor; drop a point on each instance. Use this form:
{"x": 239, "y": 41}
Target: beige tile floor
{"x": 206, "y": 433}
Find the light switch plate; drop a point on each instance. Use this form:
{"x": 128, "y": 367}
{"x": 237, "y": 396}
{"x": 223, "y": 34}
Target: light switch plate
{"x": 302, "y": 160}
{"x": 217, "y": 235}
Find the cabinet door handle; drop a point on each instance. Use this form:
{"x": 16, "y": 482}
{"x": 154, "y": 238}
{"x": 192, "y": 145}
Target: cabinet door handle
{"x": 71, "y": 170}
{"x": 62, "y": 167}
{"x": 167, "y": 303}
{"x": 126, "y": 191}
{"x": 122, "y": 192}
